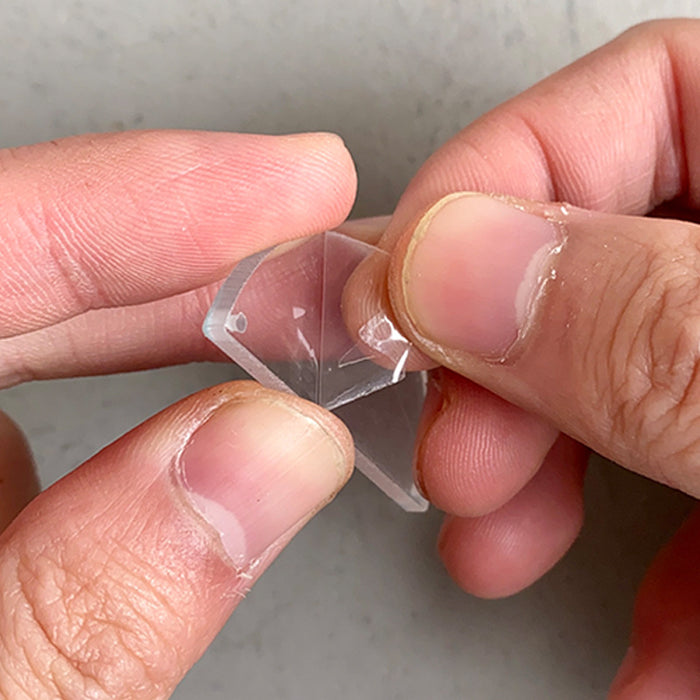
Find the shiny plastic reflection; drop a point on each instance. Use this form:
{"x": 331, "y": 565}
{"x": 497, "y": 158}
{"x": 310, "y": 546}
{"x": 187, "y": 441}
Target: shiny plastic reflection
{"x": 279, "y": 316}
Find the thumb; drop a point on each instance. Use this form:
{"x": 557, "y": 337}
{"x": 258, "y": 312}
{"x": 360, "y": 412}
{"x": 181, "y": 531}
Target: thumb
{"x": 116, "y": 579}
{"x": 590, "y": 320}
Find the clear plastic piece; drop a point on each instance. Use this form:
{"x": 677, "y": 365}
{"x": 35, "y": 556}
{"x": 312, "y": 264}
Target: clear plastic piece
{"x": 280, "y": 316}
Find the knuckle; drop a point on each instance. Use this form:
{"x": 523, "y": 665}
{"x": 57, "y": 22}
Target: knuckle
{"x": 650, "y": 31}
{"x": 97, "y": 623}
{"x": 42, "y": 230}
{"x": 651, "y": 376}
{"x": 56, "y": 223}
{"x": 13, "y": 367}
{"x": 10, "y": 159}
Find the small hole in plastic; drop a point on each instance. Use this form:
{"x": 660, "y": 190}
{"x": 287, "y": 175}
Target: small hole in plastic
{"x": 237, "y": 323}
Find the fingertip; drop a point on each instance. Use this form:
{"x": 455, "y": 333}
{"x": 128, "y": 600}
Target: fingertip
{"x": 326, "y": 421}
{"x": 334, "y": 170}
{"x": 365, "y": 301}
{"x": 475, "y": 451}
{"x": 368, "y": 229}
{"x": 501, "y": 553}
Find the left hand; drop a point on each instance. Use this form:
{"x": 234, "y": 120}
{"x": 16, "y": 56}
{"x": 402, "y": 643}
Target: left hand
{"x": 114, "y": 580}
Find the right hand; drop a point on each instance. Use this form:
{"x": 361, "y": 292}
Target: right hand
{"x": 608, "y": 353}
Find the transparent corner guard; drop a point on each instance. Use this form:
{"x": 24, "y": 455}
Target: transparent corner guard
{"x": 281, "y": 316}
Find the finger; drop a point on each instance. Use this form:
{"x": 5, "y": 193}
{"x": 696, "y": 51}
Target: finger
{"x": 609, "y": 132}
{"x": 581, "y": 136}
{"x": 365, "y": 297}
{"x": 505, "y": 551}
{"x": 116, "y": 579}
{"x": 369, "y": 230}
{"x": 664, "y": 657}
{"x": 615, "y": 131}
{"x": 587, "y": 319}
{"x": 156, "y": 334}
{"x": 169, "y": 331}
{"x": 18, "y": 480}
{"x": 123, "y": 219}
{"x": 159, "y": 333}
{"x": 475, "y": 451}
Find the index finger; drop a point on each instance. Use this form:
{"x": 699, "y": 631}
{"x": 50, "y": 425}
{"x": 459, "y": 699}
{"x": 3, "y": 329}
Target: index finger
{"x": 123, "y": 219}
{"x": 616, "y": 131}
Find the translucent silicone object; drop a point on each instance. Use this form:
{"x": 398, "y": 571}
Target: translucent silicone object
{"x": 280, "y": 316}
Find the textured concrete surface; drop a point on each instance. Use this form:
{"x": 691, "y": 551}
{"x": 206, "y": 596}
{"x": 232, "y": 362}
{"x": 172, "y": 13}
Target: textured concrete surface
{"x": 358, "y": 606}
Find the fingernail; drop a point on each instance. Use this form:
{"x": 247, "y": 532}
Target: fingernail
{"x": 257, "y": 469}
{"x": 473, "y": 270}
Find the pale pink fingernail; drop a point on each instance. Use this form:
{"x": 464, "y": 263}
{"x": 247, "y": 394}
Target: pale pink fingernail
{"x": 256, "y": 469}
{"x": 473, "y": 270}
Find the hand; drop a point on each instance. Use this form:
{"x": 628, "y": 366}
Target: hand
{"x": 114, "y": 580}
{"x": 582, "y": 318}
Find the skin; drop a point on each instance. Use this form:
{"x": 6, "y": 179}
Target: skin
{"x": 113, "y": 582}
{"x": 615, "y": 133}
{"x": 113, "y": 247}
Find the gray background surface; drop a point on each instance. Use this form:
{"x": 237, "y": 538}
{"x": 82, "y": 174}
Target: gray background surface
{"x": 358, "y": 606}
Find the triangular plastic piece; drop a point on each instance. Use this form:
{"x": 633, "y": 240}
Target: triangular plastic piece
{"x": 280, "y": 316}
